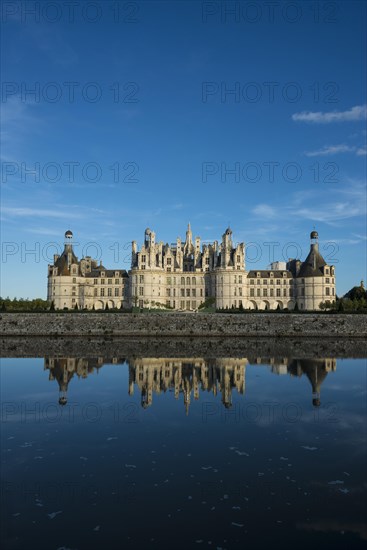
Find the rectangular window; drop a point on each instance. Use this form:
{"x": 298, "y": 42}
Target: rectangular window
{"x": 284, "y": 292}
{"x": 278, "y": 291}
{"x": 238, "y": 258}
{"x": 240, "y": 279}
{"x": 327, "y": 289}
{"x": 168, "y": 291}
{"x": 141, "y": 291}
{"x": 278, "y": 281}
{"x": 109, "y": 281}
{"x": 265, "y": 292}
{"x": 182, "y": 304}
{"x": 327, "y": 281}
{"x": 193, "y": 292}
{"x": 116, "y": 281}
{"x": 194, "y": 304}
{"x": 251, "y": 281}
{"x": 271, "y": 292}
{"x": 258, "y": 292}
{"x": 141, "y": 279}
{"x": 182, "y": 292}
{"x": 74, "y": 279}
{"x": 102, "y": 291}
{"x": 116, "y": 291}
{"x": 169, "y": 261}
{"x": 102, "y": 281}
{"x": 95, "y": 281}
{"x": 109, "y": 292}
{"x": 143, "y": 258}
{"x": 95, "y": 291}
{"x": 240, "y": 291}
{"x": 252, "y": 292}
{"x": 187, "y": 292}
{"x": 265, "y": 282}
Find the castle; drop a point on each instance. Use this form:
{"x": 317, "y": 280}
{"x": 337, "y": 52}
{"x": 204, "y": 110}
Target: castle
{"x": 188, "y": 376}
{"x": 184, "y": 275}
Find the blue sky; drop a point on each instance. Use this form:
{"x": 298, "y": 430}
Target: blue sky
{"x": 215, "y": 113}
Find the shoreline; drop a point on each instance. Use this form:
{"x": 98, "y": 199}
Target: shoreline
{"x": 157, "y": 326}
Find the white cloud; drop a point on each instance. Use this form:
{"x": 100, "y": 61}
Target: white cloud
{"x": 265, "y": 211}
{"x": 362, "y": 151}
{"x": 36, "y": 212}
{"x": 331, "y": 150}
{"x": 333, "y": 212}
{"x": 349, "y": 202}
{"x": 359, "y": 112}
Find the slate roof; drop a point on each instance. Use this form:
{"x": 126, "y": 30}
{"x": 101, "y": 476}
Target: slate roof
{"x": 278, "y": 274}
{"x": 313, "y": 264}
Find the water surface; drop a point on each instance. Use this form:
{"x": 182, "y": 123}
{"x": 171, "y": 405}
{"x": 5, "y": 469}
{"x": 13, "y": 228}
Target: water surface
{"x": 186, "y": 452}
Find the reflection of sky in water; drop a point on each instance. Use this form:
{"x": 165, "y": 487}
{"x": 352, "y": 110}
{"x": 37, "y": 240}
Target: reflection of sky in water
{"x": 102, "y": 470}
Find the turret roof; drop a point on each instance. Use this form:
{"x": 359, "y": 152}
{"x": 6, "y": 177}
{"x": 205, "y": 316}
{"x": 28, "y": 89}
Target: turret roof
{"x": 313, "y": 264}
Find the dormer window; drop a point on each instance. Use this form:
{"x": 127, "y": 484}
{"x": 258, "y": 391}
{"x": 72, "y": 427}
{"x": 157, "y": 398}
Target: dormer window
{"x": 102, "y": 273}
{"x": 258, "y": 274}
{"x": 284, "y": 274}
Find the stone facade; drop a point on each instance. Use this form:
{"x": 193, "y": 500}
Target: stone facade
{"x": 183, "y": 275}
{"x": 84, "y": 284}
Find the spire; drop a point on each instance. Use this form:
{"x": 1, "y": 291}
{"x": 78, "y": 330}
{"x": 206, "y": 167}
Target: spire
{"x": 188, "y": 248}
{"x": 188, "y": 234}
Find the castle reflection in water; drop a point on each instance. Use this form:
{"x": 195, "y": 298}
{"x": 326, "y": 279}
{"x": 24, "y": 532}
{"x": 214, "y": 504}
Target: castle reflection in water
{"x": 189, "y": 376}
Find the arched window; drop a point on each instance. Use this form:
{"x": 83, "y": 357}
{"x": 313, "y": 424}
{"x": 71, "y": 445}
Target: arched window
{"x": 187, "y": 280}
{"x": 182, "y": 280}
{"x": 193, "y": 281}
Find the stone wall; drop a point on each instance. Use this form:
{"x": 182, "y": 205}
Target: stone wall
{"x": 190, "y": 346}
{"x": 184, "y": 325}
